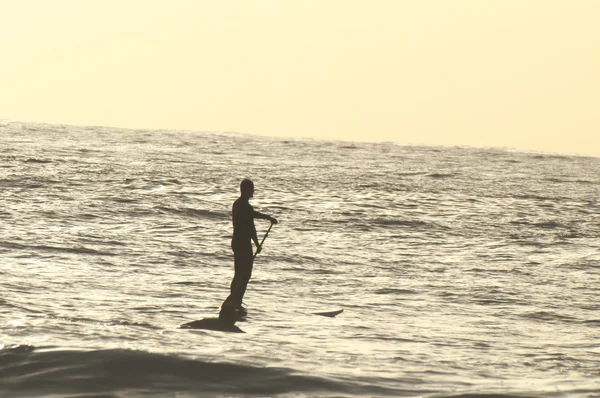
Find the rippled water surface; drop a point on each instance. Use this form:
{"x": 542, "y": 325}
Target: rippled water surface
{"x": 460, "y": 271}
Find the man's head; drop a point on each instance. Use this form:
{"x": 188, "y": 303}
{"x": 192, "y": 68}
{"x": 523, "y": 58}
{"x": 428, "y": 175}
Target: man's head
{"x": 247, "y": 188}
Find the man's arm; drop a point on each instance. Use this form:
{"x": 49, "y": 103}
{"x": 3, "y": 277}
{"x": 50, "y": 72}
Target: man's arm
{"x": 262, "y": 216}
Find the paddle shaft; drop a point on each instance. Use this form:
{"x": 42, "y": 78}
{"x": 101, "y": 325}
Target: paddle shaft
{"x": 263, "y": 239}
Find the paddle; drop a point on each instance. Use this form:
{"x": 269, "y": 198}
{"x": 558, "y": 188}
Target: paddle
{"x": 263, "y": 239}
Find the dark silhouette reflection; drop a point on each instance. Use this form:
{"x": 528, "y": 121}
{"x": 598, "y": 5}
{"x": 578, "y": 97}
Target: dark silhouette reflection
{"x": 244, "y": 233}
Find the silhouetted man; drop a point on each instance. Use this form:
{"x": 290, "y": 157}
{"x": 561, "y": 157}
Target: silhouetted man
{"x": 244, "y": 232}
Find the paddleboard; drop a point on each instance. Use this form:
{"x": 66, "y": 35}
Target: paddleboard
{"x": 211, "y": 324}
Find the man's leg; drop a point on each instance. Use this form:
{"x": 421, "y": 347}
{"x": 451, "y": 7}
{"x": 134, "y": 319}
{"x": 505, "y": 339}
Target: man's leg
{"x": 244, "y": 260}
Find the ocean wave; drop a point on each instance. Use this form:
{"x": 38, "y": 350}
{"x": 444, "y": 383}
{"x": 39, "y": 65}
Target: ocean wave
{"x": 442, "y": 175}
{"x": 394, "y": 291}
{"x": 40, "y": 161}
{"x": 49, "y": 371}
{"x": 548, "y": 316}
{"x": 60, "y": 249}
{"x": 549, "y": 225}
{"x": 189, "y": 212}
{"x": 403, "y": 223}
{"x": 87, "y": 321}
{"x": 551, "y": 156}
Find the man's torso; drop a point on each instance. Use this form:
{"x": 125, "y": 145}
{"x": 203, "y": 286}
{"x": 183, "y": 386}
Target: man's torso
{"x": 243, "y": 221}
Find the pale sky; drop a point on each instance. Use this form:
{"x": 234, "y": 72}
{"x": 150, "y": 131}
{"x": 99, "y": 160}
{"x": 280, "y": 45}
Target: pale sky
{"x": 521, "y": 74}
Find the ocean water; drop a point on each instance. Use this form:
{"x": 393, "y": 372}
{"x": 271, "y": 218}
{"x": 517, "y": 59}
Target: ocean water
{"x": 462, "y": 272}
